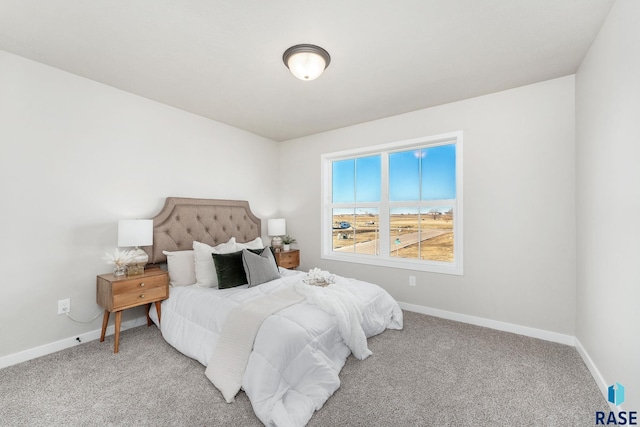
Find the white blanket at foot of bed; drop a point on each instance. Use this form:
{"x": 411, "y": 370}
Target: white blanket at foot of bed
{"x": 230, "y": 357}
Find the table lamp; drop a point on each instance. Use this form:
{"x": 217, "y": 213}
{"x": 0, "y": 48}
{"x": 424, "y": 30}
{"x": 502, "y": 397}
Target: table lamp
{"x": 136, "y": 233}
{"x": 276, "y": 228}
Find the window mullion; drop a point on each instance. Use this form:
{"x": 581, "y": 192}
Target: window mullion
{"x": 419, "y": 209}
{"x": 384, "y": 206}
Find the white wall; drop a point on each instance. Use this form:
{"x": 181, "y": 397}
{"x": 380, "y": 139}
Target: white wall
{"x": 608, "y": 201}
{"x": 519, "y": 204}
{"x": 75, "y": 157}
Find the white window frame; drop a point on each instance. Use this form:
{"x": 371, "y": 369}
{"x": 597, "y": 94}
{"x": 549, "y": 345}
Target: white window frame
{"x": 383, "y": 259}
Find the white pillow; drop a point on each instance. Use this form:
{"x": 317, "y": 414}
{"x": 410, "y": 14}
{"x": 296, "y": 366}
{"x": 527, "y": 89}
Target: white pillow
{"x": 254, "y": 244}
{"x": 182, "y": 268}
{"x": 205, "y": 268}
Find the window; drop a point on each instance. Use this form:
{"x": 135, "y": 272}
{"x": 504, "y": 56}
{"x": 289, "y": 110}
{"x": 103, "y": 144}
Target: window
{"x": 396, "y": 205}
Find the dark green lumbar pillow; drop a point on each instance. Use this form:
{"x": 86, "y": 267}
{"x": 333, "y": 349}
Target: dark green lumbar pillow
{"x": 230, "y": 269}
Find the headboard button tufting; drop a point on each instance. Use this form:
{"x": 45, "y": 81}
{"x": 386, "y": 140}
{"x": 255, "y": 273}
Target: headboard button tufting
{"x": 183, "y": 221}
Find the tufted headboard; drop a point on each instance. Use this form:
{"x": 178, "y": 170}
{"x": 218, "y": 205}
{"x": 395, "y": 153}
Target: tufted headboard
{"x": 183, "y": 220}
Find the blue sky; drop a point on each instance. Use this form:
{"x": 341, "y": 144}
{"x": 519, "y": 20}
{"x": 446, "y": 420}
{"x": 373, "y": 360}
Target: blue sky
{"x": 423, "y": 174}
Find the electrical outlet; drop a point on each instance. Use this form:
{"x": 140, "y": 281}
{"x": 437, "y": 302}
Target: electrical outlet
{"x": 64, "y": 306}
{"x": 412, "y": 280}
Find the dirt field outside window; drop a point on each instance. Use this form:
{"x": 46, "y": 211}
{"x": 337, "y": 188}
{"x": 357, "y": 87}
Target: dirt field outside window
{"x": 428, "y": 236}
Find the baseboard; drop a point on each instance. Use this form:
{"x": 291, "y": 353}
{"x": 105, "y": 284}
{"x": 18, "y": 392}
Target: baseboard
{"x": 595, "y": 373}
{"x": 492, "y": 324}
{"x": 32, "y": 353}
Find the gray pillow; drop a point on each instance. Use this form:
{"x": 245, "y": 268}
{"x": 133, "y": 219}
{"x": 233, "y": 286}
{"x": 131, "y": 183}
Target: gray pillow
{"x": 259, "y": 268}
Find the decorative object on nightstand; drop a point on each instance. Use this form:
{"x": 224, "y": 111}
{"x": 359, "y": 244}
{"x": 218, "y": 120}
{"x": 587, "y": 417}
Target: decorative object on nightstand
{"x": 136, "y": 232}
{"x": 119, "y": 259}
{"x": 117, "y": 293}
{"x": 287, "y": 241}
{"x": 288, "y": 259}
{"x": 276, "y": 228}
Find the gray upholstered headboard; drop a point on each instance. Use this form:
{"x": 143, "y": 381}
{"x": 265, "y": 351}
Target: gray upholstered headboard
{"x": 183, "y": 220}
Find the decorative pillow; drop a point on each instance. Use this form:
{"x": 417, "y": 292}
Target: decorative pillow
{"x": 254, "y": 244}
{"x": 260, "y": 268}
{"x": 230, "y": 270}
{"x": 205, "y": 269}
{"x": 182, "y": 268}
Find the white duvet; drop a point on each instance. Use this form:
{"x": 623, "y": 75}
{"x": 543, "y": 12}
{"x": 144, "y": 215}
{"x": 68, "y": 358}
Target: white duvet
{"x": 298, "y": 351}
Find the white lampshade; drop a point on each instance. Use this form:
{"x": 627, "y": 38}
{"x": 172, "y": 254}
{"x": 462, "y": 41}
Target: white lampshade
{"x": 306, "y": 61}
{"x": 135, "y": 232}
{"x": 276, "y": 227}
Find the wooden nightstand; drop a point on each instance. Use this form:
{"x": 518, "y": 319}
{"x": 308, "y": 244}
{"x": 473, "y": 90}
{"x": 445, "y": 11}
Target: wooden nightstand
{"x": 288, "y": 259}
{"x": 115, "y": 294}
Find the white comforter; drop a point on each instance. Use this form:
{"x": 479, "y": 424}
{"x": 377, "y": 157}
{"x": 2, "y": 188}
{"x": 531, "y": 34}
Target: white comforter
{"x": 298, "y": 352}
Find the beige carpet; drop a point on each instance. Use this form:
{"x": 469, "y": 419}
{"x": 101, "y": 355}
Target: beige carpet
{"x": 435, "y": 372}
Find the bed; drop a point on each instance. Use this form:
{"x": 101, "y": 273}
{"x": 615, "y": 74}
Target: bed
{"x": 294, "y": 358}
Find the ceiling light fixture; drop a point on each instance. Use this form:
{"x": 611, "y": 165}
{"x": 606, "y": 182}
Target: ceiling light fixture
{"x": 306, "y": 61}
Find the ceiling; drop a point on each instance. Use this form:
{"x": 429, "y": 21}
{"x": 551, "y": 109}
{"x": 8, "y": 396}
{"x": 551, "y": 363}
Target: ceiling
{"x": 222, "y": 59}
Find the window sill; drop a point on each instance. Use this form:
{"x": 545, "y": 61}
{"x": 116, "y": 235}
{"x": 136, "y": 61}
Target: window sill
{"x": 404, "y": 264}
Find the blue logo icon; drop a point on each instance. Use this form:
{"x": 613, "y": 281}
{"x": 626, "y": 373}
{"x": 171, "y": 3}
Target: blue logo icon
{"x": 616, "y": 395}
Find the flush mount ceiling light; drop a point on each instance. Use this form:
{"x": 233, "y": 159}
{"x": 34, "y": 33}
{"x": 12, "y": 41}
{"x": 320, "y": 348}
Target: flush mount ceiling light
{"x": 306, "y": 61}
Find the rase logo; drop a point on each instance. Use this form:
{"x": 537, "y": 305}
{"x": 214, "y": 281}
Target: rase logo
{"x": 615, "y": 395}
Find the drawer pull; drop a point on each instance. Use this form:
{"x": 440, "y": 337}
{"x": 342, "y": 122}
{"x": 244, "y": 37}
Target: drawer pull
{"x": 142, "y": 296}
{"x": 142, "y": 284}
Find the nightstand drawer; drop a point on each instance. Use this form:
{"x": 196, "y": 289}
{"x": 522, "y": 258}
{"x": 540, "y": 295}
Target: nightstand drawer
{"x": 141, "y": 284}
{"x": 288, "y": 259}
{"x": 117, "y": 293}
{"x": 138, "y": 297}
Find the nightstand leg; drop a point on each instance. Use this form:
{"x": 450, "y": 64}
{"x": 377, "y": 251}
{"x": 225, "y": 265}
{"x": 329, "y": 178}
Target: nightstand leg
{"x": 158, "y": 305}
{"x": 105, "y": 321}
{"x": 117, "y": 340}
{"x": 148, "y": 318}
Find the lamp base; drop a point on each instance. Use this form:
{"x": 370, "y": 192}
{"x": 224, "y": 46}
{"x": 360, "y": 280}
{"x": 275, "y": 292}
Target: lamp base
{"x": 139, "y": 259}
{"x": 135, "y": 269}
{"x": 276, "y": 243}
